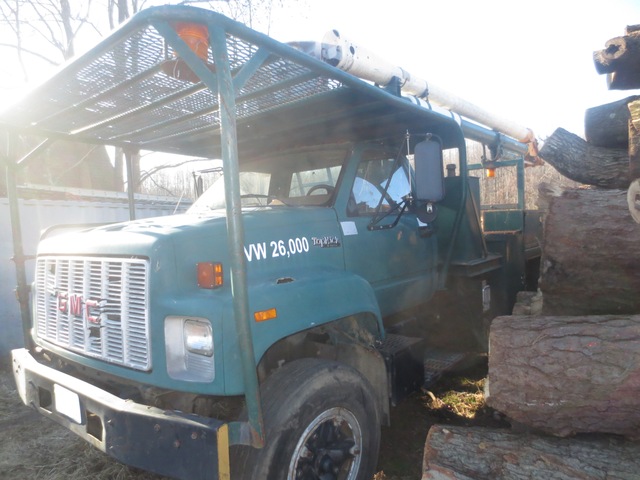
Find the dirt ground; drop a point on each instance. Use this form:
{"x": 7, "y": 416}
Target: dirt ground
{"x": 32, "y": 447}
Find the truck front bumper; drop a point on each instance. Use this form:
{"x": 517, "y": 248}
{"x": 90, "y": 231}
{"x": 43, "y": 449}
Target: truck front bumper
{"x": 170, "y": 443}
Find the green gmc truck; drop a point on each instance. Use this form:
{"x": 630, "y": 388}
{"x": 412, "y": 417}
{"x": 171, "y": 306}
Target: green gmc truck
{"x": 335, "y": 267}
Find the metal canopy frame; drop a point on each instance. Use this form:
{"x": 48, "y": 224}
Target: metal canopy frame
{"x": 251, "y": 95}
{"x": 121, "y": 92}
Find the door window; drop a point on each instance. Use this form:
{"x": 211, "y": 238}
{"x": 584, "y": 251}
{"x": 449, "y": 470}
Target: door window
{"x": 380, "y": 180}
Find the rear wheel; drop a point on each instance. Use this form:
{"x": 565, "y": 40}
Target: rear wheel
{"x": 321, "y": 423}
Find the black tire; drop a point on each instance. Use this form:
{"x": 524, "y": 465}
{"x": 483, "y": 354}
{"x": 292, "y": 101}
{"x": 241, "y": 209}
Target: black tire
{"x": 321, "y": 422}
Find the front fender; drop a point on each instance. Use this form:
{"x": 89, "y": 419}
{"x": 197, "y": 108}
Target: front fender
{"x": 302, "y": 301}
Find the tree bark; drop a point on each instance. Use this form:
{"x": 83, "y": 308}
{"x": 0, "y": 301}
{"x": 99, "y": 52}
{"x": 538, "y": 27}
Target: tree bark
{"x": 620, "y": 60}
{"x": 459, "y": 453}
{"x": 633, "y": 193}
{"x": 623, "y": 80}
{"x": 567, "y": 375}
{"x": 634, "y": 139}
{"x": 631, "y": 29}
{"x": 619, "y": 54}
{"x": 591, "y": 255}
{"x": 633, "y": 199}
{"x": 608, "y": 125}
{"x": 579, "y": 161}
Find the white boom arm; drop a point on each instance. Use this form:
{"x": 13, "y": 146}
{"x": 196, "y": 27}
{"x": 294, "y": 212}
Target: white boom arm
{"x": 360, "y": 62}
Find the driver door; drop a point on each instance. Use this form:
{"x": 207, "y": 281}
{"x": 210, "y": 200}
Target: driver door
{"x": 383, "y": 240}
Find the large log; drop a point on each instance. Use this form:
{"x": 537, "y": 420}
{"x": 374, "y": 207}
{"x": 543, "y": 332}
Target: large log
{"x": 634, "y": 138}
{"x": 633, "y": 199}
{"x": 633, "y": 193}
{"x": 608, "y": 125}
{"x": 459, "y": 453}
{"x": 623, "y": 80}
{"x": 620, "y": 60}
{"x": 567, "y": 375}
{"x": 591, "y": 256}
{"x": 576, "y": 159}
{"x": 620, "y": 53}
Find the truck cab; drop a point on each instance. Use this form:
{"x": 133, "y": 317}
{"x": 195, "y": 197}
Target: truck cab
{"x": 267, "y": 332}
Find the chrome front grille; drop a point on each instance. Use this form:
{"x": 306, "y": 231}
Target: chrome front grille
{"x": 95, "y": 306}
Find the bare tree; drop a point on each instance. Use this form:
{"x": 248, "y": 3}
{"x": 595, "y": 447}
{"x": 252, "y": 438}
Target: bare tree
{"x": 47, "y": 31}
{"x": 44, "y": 30}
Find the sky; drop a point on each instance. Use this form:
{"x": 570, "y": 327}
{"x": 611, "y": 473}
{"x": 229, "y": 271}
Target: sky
{"x": 528, "y": 61}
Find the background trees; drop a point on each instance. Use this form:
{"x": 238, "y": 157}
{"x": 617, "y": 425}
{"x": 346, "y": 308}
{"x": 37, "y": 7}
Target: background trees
{"x": 36, "y": 36}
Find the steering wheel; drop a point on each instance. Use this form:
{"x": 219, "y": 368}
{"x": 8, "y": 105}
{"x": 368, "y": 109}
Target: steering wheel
{"x": 321, "y": 186}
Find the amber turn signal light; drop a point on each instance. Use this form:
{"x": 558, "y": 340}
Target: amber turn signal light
{"x": 210, "y": 275}
{"x": 265, "y": 315}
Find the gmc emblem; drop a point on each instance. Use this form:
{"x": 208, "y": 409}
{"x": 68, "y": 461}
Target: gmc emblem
{"x": 74, "y": 305}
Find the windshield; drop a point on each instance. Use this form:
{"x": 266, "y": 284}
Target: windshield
{"x": 298, "y": 178}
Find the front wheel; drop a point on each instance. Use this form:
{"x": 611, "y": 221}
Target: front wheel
{"x": 321, "y": 423}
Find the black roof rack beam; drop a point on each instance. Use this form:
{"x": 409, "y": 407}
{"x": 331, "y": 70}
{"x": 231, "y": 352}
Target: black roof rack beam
{"x": 34, "y": 152}
{"x": 243, "y": 75}
{"x": 208, "y": 111}
{"x": 276, "y": 87}
{"x": 170, "y": 139}
{"x": 71, "y": 109}
{"x": 72, "y": 68}
{"x": 167, "y": 123}
{"x": 146, "y": 108}
{"x": 194, "y": 133}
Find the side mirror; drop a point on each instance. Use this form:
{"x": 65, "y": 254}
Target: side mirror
{"x": 429, "y": 172}
{"x": 429, "y": 178}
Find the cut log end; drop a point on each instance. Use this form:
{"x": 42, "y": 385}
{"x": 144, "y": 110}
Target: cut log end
{"x": 620, "y": 55}
{"x": 633, "y": 200}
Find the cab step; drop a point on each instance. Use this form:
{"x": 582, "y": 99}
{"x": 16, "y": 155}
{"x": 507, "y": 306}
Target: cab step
{"x": 438, "y": 361}
{"x": 403, "y": 356}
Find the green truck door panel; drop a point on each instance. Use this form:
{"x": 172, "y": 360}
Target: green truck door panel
{"x": 399, "y": 262}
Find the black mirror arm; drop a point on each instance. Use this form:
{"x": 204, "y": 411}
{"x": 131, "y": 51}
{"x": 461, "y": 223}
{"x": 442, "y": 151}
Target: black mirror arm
{"x": 374, "y": 224}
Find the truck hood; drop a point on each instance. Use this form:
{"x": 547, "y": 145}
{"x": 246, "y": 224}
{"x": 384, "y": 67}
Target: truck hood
{"x": 127, "y": 238}
{"x": 277, "y": 242}
{"x": 144, "y": 237}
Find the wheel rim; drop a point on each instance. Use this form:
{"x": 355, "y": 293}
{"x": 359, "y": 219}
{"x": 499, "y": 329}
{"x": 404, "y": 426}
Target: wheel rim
{"x": 330, "y": 448}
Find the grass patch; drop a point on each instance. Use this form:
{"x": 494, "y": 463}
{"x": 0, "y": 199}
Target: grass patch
{"x": 9, "y": 398}
{"x": 461, "y": 396}
{"x": 34, "y": 447}
{"x": 456, "y": 399}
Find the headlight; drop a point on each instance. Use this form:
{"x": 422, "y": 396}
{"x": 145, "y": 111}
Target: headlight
{"x": 189, "y": 347}
{"x": 198, "y": 337}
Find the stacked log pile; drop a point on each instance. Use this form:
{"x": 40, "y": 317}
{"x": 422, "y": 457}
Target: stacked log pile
{"x": 591, "y": 254}
{"x": 567, "y": 373}
{"x": 609, "y": 156}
